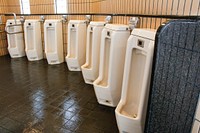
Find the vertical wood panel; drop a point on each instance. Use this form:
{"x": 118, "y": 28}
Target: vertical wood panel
{"x": 3, "y": 41}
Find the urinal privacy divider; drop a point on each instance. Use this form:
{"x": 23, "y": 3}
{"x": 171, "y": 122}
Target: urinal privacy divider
{"x": 175, "y": 84}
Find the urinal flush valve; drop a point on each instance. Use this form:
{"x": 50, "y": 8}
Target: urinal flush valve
{"x": 108, "y": 19}
{"x": 64, "y": 18}
{"x": 22, "y": 19}
{"x": 42, "y": 19}
{"x": 88, "y": 19}
{"x": 133, "y": 22}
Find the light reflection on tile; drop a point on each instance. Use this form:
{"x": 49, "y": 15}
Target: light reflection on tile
{"x": 48, "y": 98}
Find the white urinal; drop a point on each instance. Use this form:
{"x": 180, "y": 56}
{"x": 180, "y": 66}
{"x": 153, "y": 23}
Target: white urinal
{"x": 53, "y": 41}
{"x": 33, "y": 40}
{"x": 131, "y": 110}
{"x": 76, "y": 44}
{"x": 90, "y": 69}
{"x": 112, "y": 54}
{"x": 16, "y": 46}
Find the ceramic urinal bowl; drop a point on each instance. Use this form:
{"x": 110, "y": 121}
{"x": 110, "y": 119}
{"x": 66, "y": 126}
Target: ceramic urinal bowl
{"x": 53, "y": 41}
{"x": 33, "y": 40}
{"x": 76, "y": 44}
{"x": 112, "y": 55}
{"x": 90, "y": 69}
{"x": 16, "y": 46}
{"x": 131, "y": 110}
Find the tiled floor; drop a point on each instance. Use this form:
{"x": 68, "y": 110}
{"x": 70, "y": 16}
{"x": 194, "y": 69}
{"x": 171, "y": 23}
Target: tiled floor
{"x": 49, "y": 98}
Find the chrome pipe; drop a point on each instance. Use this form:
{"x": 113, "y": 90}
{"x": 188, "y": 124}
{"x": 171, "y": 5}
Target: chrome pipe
{"x": 9, "y": 26}
{"x": 10, "y": 33}
{"x": 15, "y": 17}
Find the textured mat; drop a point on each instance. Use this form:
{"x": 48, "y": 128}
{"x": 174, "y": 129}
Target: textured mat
{"x": 175, "y": 84}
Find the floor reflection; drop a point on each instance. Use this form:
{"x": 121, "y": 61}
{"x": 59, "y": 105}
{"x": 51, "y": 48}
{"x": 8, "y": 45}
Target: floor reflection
{"x": 35, "y": 96}
{"x": 38, "y": 103}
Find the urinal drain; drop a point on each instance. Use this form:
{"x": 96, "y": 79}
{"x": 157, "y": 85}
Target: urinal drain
{"x": 107, "y": 101}
{"x": 89, "y": 80}
{"x": 53, "y": 61}
{"x": 74, "y": 67}
{"x": 135, "y": 115}
{"x": 15, "y": 54}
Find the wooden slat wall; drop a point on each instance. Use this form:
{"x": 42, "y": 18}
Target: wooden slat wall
{"x": 3, "y": 41}
{"x": 151, "y": 7}
{"x": 42, "y": 6}
{"x": 13, "y": 6}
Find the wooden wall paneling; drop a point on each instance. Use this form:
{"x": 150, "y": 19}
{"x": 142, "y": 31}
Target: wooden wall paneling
{"x": 3, "y": 41}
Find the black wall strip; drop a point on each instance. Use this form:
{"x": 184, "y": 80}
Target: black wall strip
{"x": 123, "y": 15}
